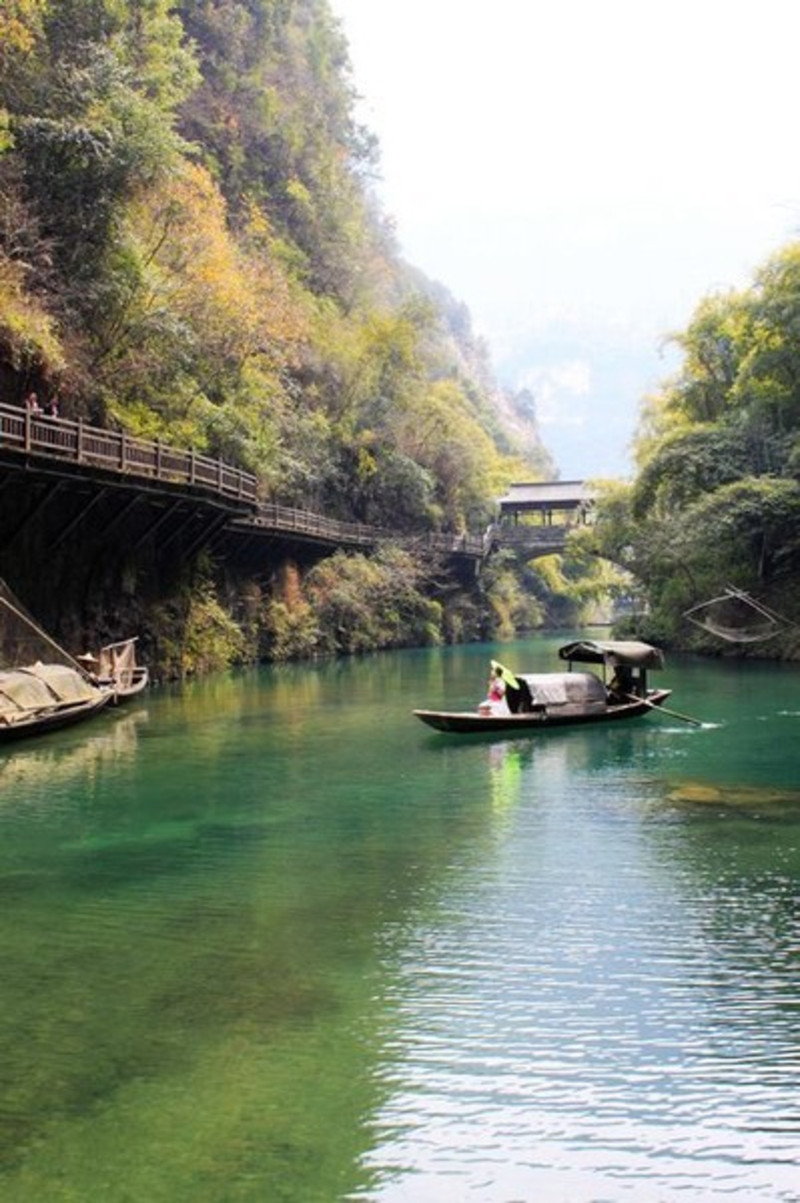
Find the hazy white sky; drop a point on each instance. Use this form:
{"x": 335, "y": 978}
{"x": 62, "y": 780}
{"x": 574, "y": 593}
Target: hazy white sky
{"x": 581, "y": 174}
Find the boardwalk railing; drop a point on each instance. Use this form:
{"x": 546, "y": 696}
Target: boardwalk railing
{"x": 113, "y": 450}
{"x": 282, "y": 519}
{"x": 93, "y": 447}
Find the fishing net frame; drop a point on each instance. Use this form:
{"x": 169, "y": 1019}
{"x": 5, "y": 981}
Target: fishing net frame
{"x": 773, "y": 624}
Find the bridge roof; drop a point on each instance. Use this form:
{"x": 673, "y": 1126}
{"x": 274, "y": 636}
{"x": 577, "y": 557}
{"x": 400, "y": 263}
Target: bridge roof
{"x": 547, "y": 495}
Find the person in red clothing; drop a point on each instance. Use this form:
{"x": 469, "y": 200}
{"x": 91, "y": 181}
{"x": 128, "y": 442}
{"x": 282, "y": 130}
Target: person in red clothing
{"x": 495, "y": 701}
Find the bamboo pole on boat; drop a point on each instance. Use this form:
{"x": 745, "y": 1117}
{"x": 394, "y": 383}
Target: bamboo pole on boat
{"x": 48, "y": 639}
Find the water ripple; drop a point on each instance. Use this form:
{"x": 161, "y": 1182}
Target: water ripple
{"x": 583, "y": 1023}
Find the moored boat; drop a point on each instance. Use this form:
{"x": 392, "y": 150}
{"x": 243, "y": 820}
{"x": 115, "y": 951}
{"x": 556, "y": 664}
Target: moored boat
{"x": 42, "y": 697}
{"x": 41, "y": 686}
{"x": 116, "y": 665}
{"x": 539, "y": 701}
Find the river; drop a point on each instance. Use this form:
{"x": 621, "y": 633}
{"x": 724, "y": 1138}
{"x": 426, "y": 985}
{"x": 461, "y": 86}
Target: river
{"x": 266, "y": 939}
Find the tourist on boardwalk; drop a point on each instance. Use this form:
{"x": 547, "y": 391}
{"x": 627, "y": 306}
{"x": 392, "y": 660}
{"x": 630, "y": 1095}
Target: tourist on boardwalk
{"x": 32, "y": 404}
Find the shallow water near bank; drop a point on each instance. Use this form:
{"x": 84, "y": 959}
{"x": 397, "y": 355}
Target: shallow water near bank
{"x": 268, "y": 938}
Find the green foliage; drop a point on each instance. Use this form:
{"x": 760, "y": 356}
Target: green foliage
{"x": 274, "y": 116}
{"x": 363, "y": 604}
{"x": 386, "y": 485}
{"x": 195, "y": 633}
{"x": 212, "y": 640}
{"x": 716, "y": 498}
{"x": 292, "y": 631}
{"x": 28, "y": 339}
{"x": 513, "y": 607}
{"x": 689, "y": 463}
{"x": 92, "y": 123}
{"x": 191, "y": 209}
{"x": 751, "y": 526}
{"x": 20, "y": 29}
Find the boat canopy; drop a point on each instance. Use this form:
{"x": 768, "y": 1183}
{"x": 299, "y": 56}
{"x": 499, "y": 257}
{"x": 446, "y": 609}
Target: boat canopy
{"x": 627, "y": 653}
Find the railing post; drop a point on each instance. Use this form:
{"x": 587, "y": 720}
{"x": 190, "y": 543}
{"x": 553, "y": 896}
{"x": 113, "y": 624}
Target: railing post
{"x": 28, "y": 425}
{"x": 123, "y": 450}
{"x": 158, "y": 459}
{"x": 191, "y": 466}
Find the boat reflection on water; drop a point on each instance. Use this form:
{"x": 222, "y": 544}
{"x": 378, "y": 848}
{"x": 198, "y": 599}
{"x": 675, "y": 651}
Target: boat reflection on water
{"x": 507, "y": 764}
{"x": 32, "y": 770}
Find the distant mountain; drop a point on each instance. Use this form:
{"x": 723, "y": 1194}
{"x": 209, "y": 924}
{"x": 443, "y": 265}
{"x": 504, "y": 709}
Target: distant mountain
{"x": 584, "y": 388}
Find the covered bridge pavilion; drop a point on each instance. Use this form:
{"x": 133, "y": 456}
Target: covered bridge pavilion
{"x": 547, "y": 503}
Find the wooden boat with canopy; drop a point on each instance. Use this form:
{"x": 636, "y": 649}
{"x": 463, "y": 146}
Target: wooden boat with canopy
{"x": 539, "y": 701}
{"x": 118, "y": 662}
{"x": 41, "y": 686}
{"x": 115, "y": 664}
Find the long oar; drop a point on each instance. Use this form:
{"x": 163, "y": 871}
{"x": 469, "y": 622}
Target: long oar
{"x": 686, "y": 718}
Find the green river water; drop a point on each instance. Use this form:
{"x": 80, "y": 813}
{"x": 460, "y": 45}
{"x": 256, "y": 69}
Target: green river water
{"x": 267, "y": 939}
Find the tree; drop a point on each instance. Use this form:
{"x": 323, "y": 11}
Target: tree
{"x": 716, "y": 496}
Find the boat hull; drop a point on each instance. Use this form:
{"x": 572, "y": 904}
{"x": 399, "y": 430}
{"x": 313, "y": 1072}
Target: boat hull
{"x": 140, "y": 679}
{"x": 42, "y": 722}
{"x": 467, "y": 722}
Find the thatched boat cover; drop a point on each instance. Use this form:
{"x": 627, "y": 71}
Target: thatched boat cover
{"x": 41, "y": 687}
{"x": 628, "y": 653}
{"x": 563, "y": 689}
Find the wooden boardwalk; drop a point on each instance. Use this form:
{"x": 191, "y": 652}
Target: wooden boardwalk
{"x": 75, "y": 448}
{"x": 92, "y": 447}
{"x": 308, "y": 526}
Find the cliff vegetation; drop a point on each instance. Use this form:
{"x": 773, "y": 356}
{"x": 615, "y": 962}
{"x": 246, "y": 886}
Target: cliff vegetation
{"x": 191, "y": 249}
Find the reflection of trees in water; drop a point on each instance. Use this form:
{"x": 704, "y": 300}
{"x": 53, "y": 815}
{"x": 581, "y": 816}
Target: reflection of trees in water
{"x": 44, "y": 763}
